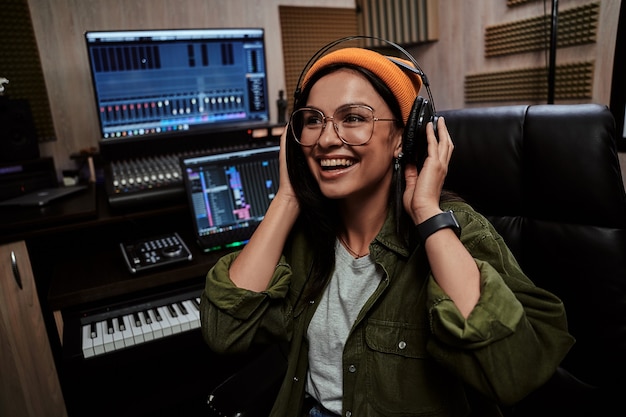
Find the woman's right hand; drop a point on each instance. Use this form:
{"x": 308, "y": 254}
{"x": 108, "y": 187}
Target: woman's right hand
{"x": 255, "y": 265}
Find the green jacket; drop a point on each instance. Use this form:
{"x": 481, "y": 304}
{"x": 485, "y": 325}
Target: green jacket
{"x": 410, "y": 352}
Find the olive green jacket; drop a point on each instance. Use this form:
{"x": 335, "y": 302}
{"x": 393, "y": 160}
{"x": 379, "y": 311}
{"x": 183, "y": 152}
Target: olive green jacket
{"x": 410, "y": 352}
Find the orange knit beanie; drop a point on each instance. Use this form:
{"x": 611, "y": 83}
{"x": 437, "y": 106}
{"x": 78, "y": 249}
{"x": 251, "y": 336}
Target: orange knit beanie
{"x": 405, "y": 85}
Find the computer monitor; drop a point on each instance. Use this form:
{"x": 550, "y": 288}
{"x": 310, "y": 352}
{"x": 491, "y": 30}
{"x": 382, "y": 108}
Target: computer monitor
{"x": 159, "y": 83}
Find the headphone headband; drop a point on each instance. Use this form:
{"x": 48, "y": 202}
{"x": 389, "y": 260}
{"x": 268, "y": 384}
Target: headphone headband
{"x": 322, "y": 51}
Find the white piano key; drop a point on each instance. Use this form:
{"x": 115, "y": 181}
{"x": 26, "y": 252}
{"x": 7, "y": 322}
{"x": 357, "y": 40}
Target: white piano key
{"x": 107, "y": 338}
{"x": 149, "y": 323}
{"x": 136, "y": 329}
{"x": 128, "y": 337}
{"x": 118, "y": 336}
{"x": 157, "y": 330}
{"x": 172, "y": 315}
{"x": 98, "y": 341}
{"x": 166, "y": 325}
{"x": 145, "y": 328}
{"x": 185, "y": 319}
{"x": 87, "y": 342}
{"x": 194, "y": 313}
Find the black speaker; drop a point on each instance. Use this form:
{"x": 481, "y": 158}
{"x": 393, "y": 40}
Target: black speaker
{"x": 18, "y": 136}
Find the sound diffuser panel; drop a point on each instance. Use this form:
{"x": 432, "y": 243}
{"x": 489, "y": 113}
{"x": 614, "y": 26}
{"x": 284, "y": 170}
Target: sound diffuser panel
{"x": 576, "y": 26}
{"x": 304, "y": 31}
{"x": 512, "y": 3}
{"x": 401, "y": 21}
{"x": 572, "y": 82}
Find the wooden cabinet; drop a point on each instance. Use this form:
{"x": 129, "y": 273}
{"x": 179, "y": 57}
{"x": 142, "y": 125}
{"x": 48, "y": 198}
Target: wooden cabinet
{"x": 29, "y": 384}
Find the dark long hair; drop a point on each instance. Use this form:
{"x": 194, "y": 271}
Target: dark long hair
{"x": 319, "y": 214}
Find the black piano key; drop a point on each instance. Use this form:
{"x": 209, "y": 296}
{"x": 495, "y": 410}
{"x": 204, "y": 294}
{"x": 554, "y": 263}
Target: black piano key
{"x": 157, "y": 315}
{"x": 172, "y": 310}
{"x": 137, "y": 319}
{"x": 110, "y": 328}
{"x": 196, "y": 303}
{"x": 94, "y": 330}
{"x": 182, "y": 308}
{"x": 147, "y": 317}
{"x": 120, "y": 324}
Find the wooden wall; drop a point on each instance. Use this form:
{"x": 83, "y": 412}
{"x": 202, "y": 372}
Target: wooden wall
{"x": 460, "y": 49}
{"x": 59, "y": 26}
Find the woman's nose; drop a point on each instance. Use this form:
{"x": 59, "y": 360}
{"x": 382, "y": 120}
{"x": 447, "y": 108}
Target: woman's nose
{"x": 329, "y": 135}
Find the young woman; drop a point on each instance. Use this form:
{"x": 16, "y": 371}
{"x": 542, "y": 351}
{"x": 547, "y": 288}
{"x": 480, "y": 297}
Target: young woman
{"x": 388, "y": 308}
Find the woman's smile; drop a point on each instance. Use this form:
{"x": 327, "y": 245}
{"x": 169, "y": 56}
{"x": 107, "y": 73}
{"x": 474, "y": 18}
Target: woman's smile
{"x": 335, "y": 163}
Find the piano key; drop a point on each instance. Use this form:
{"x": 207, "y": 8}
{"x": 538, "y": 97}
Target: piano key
{"x": 107, "y": 338}
{"x": 172, "y": 316}
{"x": 183, "y": 318}
{"x": 157, "y": 314}
{"x": 120, "y": 323}
{"x": 194, "y": 313}
{"x": 87, "y": 342}
{"x": 118, "y": 337}
{"x": 166, "y": 325}
{"x": 98, "y": 341}
{"x": 146, "y": 329}
{"x": 129, "y": 338}
{"x": 136, "y": 329}
{"x": 136, "y": 319}
{"x": 157, "y": 330}
{"x": 151, "y": 326}
{"x": 173, "y": 312}
{"x": 110, "y": 328}
{"x": 93, "y": 330}
{"x": 146, "y": 317}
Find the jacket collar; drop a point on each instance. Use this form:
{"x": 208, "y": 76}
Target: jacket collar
{"x": 390, "y": 239}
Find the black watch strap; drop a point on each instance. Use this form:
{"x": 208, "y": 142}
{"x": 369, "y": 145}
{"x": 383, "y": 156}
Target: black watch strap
{"x": 438, "y": 222}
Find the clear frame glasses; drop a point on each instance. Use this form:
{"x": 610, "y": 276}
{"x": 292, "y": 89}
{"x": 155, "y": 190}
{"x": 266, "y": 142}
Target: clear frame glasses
{"x": 354, "y": 124}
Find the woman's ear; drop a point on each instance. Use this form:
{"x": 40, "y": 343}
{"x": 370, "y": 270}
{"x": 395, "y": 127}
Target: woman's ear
{"x": 398, "y": 149}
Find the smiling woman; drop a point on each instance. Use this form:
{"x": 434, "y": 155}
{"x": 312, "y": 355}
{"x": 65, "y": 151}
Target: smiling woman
{"x": 371, "y": 273}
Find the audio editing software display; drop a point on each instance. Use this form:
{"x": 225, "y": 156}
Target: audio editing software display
{"x": 229, "y": 193}
{"x": 161, "y": 82}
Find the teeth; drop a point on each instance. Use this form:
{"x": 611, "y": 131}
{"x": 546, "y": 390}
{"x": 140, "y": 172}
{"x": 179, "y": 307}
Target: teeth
{"x": 336, "y": 162}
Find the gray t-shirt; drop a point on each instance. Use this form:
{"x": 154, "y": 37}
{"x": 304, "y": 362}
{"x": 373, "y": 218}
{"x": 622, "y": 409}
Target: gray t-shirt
{"x": 352, "y": 283}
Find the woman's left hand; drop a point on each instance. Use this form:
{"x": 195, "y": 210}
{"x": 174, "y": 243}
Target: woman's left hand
{"x": 423, "y": 189}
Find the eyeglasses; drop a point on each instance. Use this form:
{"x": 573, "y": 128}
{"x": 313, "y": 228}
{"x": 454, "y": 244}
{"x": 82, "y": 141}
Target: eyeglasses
{"x": 353, "y": 123}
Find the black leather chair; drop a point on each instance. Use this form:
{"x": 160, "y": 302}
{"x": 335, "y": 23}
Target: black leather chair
{"x": 548, "y": 178}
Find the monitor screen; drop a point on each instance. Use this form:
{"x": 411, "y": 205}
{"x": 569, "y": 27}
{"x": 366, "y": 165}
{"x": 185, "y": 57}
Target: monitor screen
{"x": 155, "y": 83}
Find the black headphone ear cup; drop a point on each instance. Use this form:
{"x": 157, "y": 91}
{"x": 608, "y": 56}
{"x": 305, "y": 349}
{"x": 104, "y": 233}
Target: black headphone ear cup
{"x": 414, "y": 137}
{"x": 414, "y": 143}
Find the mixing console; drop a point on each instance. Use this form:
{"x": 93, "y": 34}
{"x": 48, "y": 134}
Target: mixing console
{"x": 152, "y": 179}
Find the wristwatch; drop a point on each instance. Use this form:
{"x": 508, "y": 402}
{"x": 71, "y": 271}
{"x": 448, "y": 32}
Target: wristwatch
{"x": 438, "y": 222}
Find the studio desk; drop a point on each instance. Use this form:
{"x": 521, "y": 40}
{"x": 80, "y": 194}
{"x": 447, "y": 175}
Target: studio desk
{"x": 155, "y": 362}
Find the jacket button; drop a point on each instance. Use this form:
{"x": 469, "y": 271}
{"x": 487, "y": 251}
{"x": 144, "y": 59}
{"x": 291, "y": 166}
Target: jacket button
{"x": 402, "y": 344}
{"x": 352, "y": 368}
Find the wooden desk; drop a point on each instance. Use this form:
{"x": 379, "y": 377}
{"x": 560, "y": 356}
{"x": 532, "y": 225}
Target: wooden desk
{"x": 77, "y": 264}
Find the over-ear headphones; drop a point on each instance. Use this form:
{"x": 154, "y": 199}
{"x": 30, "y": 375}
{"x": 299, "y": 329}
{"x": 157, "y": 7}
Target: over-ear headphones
{"x": 423, "y": 109}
